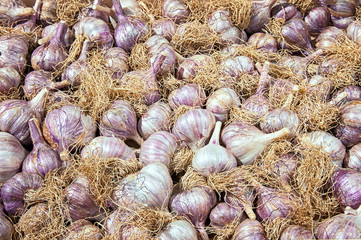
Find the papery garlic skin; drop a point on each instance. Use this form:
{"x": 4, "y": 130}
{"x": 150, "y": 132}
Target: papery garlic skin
{"x": 249, "y": 229}
{"x": 14, "y": 50}
{"x": 83, "y": 229}
{"x": 175, "y": 10}
{"x": 49, "y": 32}
{"x": 353, "y": 157}
{"x": 263, "y": 42}
{"x": 296, "y": 232}
{"x": 34, "y": 219}
{"x": 165, "y": 28}
{"x": 160, "y": 146}
{"x": 7, "y": 228}
{"x": 191, "y": 95}
{"x": 116, "y": 61}
{"x": 224, "y": 214}
{"x": 9, "y": 79}
{"x": 178, "y": 230}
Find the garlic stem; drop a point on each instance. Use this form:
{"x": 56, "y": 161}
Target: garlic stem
{"x": 277, "y": 135}
{"x": 110, "y": 12}
{"x": 202, "y": 231}
{"x": 59, "y": 32}
{"x": 264, "y": 78}
{"x": 118, "y": 10}
{"x": 216, "y": 133}
{"x": 60, "y": 85}
{"x": 37, "y": 103}
{"x": 338, "y": 98}
{"x": 249, "y": 211}
{"x": 21, "y": 12}
{"x": 137, "y": 138}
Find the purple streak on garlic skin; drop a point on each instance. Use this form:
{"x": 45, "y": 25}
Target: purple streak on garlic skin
{"x": 317, "y": 20}
{"x": 9, "y": 79}
{"x": 90, "y": 12}
{"x": 188, "y": 69}
{"x": 246, "y": 141}
{"x": 341, "y": 22}
{"x": 13, "y": 191}
{"x": 178, "y": 229}
{"x": 48, "y": 33}
{"x": 258, "y": 104}
{"x": 73, "y": 72}
{"x": 295, "y": 33}
{"x": 81, "y": 201}
{"x": 157, "y": 118}
{"x": 175, "y": 10}
{"x": 221, "y": 101}
{"x": 158, "y": 45}
{"x": 30, "y": 25}
{"x": 342, "y": 12}
{"x": 107, "y": 147}
{"x": 50, "y": 56}
{"x": 342, "y": 226}
{"x": 160, "y": 146}
{"x": 213, "y": 158}
{"x": 194, "y": 128}
{"x": 120, "y": 121}
{"x": 165, "y": 28}
{"x": 285, "y": 11}
{"x": 353, "y": 157}
{"x": 42, "y": 159}
{"x": 328, "y": 143}
{"x": 7, "y": 228}
{"x": 348, "y": 130}
{"x": 195, "y": 204}
{"x": 249, "y": 230}
{"x": 150, "y": 187}
{"x": 116, "y": 60}
{"x": 354, "y": 31}
{"x": 224, "y": 214}
{"x": 35, "y": 81}
{"x": 191, "y": 95}
{"x": 273, "y": 203}
{"x": 129, "y": 30}
{"x": 296, "y": 232}
{"x": 263, "y": 42}
{"x": 96, "y": 30}
{"x": 13, "y": 52}
{"x": 14, "y": 11}
{"x": 352, "y": 93}
{"x": 347, "y": 187}
{"x": 12, "y": 155}
{"x": 327, "y": 38}
{"x": 83, "y": 229}
{"x": 15, "y": 114}
{"x": 67, "y": 127}
{"x": 261, "y": 15}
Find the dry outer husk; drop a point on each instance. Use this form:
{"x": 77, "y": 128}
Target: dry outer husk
{"x": 304, "y": 5}
{"x": 181, "y": 160}
{"x": 192, "y": 179}
{"x": 32, "y": 36}
{"x": 225, "y": 232}
{"x": 274, "y": 228}
{"x": 139, "y": 57}
{"x": 240, "y": 114}
{"x": 67, "y": 10}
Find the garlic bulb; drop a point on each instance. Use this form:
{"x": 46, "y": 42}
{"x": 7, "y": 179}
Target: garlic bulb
{"x": 246, "y": 141}
{"x": 221, "y": 101}
{"x": 14, "y": 50}
{"x": 191, "y": 95}
{"x": 224, "y": 214}
{"x": 48, "y": 11}
{"x": 151, "y": 187}
{"x": 261, "y": 14}
{"x": 83, "y": 229}
{"x": 317, "y": 20}
{"x": 157, "y": 118}
{"x": 213, "y": 158}
{"x": 160, "y": 146}
{"x": 175, "y": 10}
{"x": 9, "y": 79}
{"x": 7, "y": 229}
{"x": 348, "y": 131}
{"x": 34, "y": 219}
{"x": 249, "y": 229}
{"x": 353, "y": 157}
{"x": 194, "y": 128}
{"x": 296, "y": 232}
{"x": 296, "y": 34}
{"x": 263, "y": 42}
{"x": 107, "y": 147}
{"x": 48, "y": 33}
{"x": 116, "y": 61}
{"x": 12, "y": 155}
{"x": 188, "y": 69}
{"x": 120, "y": 121}
{"x": 178, "y": 230}
{"x": 165, "y": 28}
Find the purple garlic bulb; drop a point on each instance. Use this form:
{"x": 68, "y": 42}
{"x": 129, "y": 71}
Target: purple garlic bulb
{"x": 224, "y": 214}
{"x": 353, "y": 31}
{"x": 346, "y": 94}
{"x": 213, "y": 158}
{"x": 296, "y": 232}
{"x": 29, "y": 25}
{"x": 89, "y": 11}
{"x": 157, "y": 118}
{"x": 234, "y": 67}
{"x": 165, "y": 28}
{"x": 249, "y": 229}
{"x": 195, "y": 204}
{"x": 342, "y": 226}
{"x": 263, "y": 42}
{"x": 129, "y": 30}
{"x": 48, "y": 12}
{"x": 150, "y": 187}
{"x": 328, "y": 143}
{"x": 68, "y": 127}
{"x": 327, "y": 38}
{"x": 178, "y": 229}
{"x": 96, "y": 30}
{"x": 191, "y": 95}
{"x": 107, "y": 147}
{"x": 48, "y": 33}
{"x": 175, "y": 10}
{"x": 9, "y": 79}
{"x": 50, "y": 56}
{"x": 286, "y": 11}
{"x": 296, "y": 34}
{"x": 273, "y": 203}
{"x": 120, "y": 121}
{"x": 247, "y": 142}
{"x": 194, "y": 128}
{"x": 15, "y": 114}
{"x": 188, "y": 69}
{"x": 7, "y": 228}
{"x": 221, "y": 101}
{"x": 42, "y": 159}
{"x": 14, "y": 11}
{"x": 261, "y": 14}
{"x": 348, "y": 130}
{"x": 340, "y": 9}
{"x": 317, "y": 20}
{"x": 160, "y": 146}
{"x": 81, "y": 202}
{"x": 347, "y": 187}
{"x": 353, "y": 157}
{"x": 116, "y": 61}
{"x": 73, "y": 72}
{"x": 35, "y": 81}
{"x": 13, "y": 52}
{"x": 83, "y": 229}
{"x": 342, "y": 22}
{"x": 13, "y": 191}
